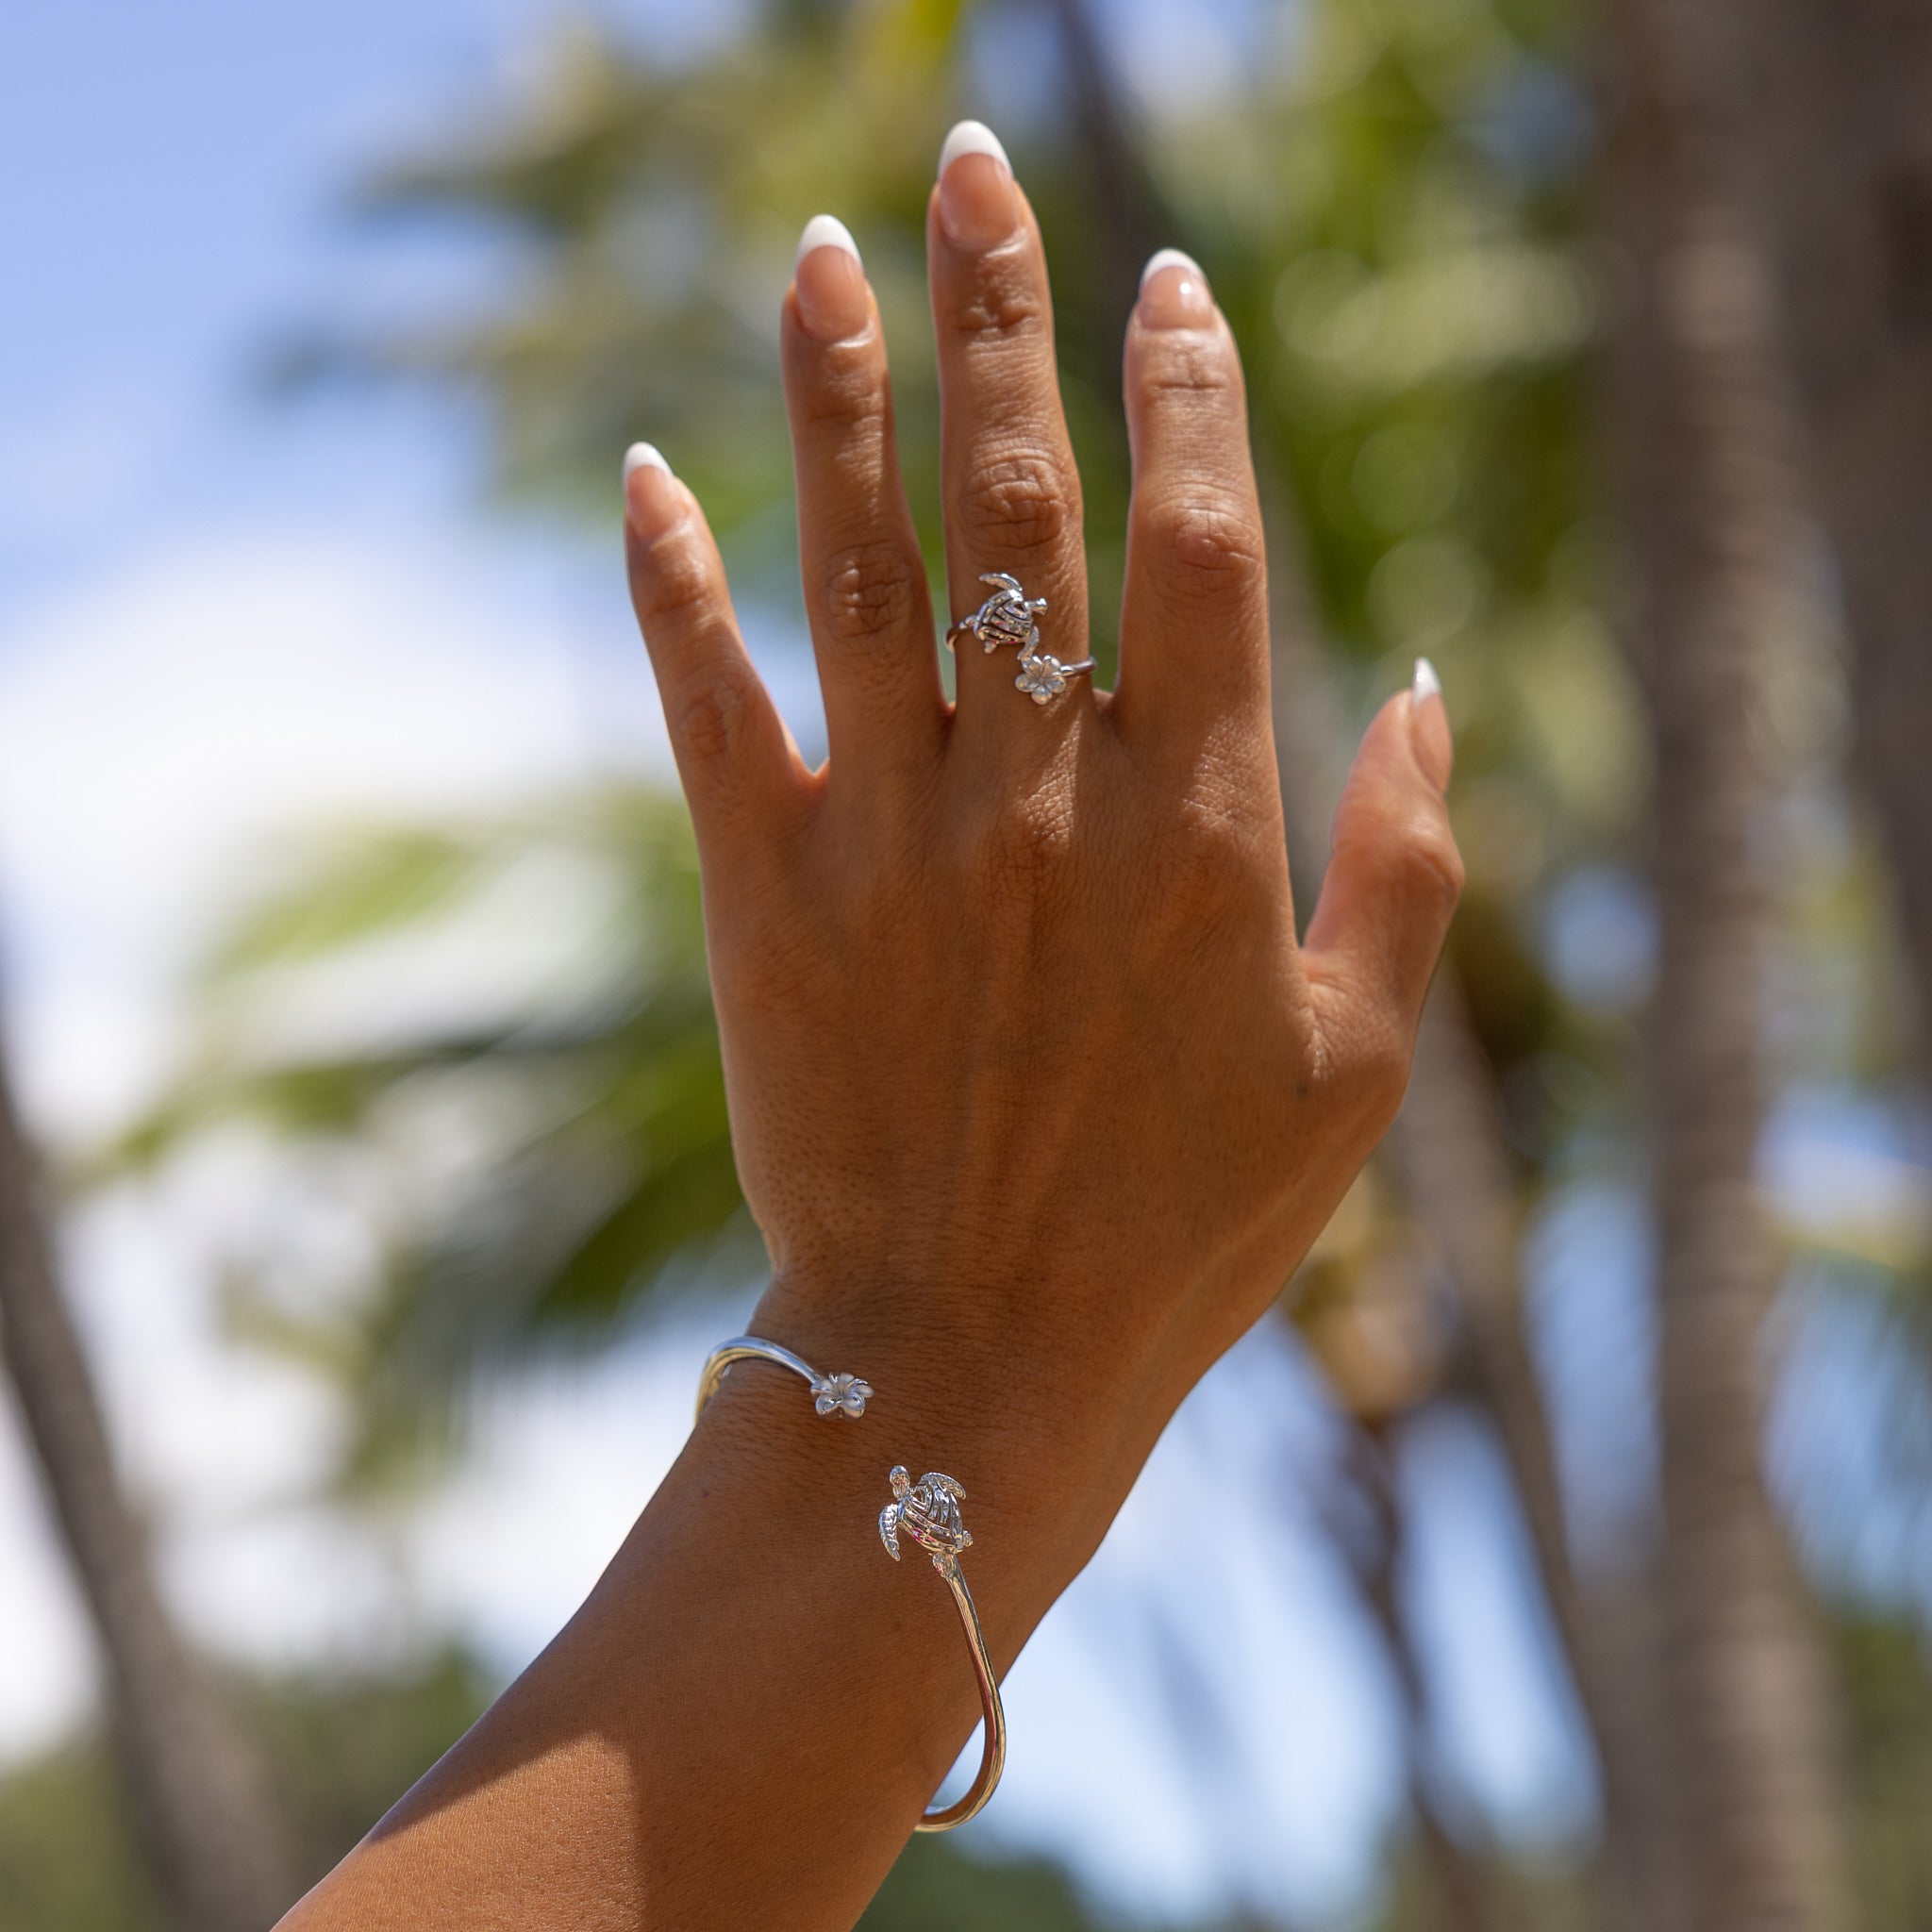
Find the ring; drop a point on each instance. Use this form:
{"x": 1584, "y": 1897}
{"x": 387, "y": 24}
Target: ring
{"x": 1007, "y": 617}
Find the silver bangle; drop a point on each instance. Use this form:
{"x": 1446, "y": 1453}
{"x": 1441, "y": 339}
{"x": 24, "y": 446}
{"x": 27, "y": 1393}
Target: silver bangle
{"x": 831, "y": 1394}
{"x": 927, "y": 1511}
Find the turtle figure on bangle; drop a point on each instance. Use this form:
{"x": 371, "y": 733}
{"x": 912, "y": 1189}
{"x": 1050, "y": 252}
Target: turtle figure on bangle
{"x": 928, "y": 1512}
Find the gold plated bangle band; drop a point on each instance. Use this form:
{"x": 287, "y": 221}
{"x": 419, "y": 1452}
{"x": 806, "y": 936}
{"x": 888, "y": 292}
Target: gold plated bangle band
{"x": 928, "y": 1512}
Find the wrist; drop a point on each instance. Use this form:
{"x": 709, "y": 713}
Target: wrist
{"x": 1042, "y": 1434}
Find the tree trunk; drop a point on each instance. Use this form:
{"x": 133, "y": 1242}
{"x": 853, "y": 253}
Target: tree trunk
{"x": 1449, "y": 1144}
{"x": 1461, "y": 1896}
{"x": 1449, "y": 1151}
{"x": 200, "y": 1801}
{"x": 1841, "y": 132}
{"x": 1132, "y": 222}
{"x": 1704, "y": 438}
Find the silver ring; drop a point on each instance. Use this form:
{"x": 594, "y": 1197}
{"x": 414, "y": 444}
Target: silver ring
{"x": 1007, "y": 617}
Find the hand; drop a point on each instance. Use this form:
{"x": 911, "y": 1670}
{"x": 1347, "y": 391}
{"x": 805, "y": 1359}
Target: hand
{"x": 1034, "y": 1094}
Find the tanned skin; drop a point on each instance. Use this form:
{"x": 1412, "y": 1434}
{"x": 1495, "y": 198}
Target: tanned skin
{"x": 1035, "y": 1093}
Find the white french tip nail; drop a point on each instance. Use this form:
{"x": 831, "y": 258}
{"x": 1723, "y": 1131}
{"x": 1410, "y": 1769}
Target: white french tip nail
{"x": 1426, "y": 683}
{"x": 973, "y": 137}
{"x": 826, "y": 231}
{"x": 641, "y": 454}
{"x": 1170, "y": 257}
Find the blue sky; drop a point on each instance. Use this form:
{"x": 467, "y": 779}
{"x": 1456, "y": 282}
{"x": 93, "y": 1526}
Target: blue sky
{"x": 223, "y": 618}
{"x": 169, "y": 180}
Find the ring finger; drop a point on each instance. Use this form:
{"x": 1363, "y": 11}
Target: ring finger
{"x": 1010, "y": 491}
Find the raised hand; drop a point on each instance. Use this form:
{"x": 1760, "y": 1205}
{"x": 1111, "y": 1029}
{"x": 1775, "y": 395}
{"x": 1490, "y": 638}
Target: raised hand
{"x": 1034, "y": 1094}
{"x": 1032, "y": 1088}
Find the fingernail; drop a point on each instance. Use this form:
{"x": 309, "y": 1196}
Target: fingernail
{"x": 653, "y": 499}
{"x": 1175, "y": 292}
{"x": 830, "y": 278}
{"x": 1428, "y": 726}
{"x": 978, "y": 203}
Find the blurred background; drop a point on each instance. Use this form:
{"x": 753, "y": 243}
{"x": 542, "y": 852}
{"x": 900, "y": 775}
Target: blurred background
{"x": 1560, "y": 1553}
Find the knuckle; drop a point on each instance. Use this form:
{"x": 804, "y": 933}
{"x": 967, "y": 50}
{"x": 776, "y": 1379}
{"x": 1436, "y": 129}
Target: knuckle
{"x": 1026, "y": 502}
{"x": 1183, "y": 366}
{"x": 1411, "y": 854}
{"x": 1214, "y": 547}
{"x": 871, "y": 591}
{"x": 1381, "y": 1074}
{"x": 675, "y": 584}
{"x": 1019, "y": 853}
{"x": 1430, "y": 864}
{"x": 712, "y": 721}
{"x": 1003, "y": 304}
{"x": 1211, "y": 843}
{"x": 846, "y": 394}
{"x": 1205, "y": 870}
{"x": 1365, "y": 1073}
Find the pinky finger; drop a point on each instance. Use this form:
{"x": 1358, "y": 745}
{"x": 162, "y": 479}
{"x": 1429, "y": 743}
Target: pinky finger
{"x": 736, "y": 758}
{"x": 1393, "y": 879}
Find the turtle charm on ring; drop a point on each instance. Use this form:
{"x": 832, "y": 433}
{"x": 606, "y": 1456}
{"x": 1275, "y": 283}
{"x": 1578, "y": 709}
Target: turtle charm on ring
{"x": 928, "y": 1512}
{"x": 1004, "y": 618}
{"x": 1007, "y": 617}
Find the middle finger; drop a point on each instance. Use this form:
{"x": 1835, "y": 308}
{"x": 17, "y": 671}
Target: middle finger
{"x": 1010, "y": 491}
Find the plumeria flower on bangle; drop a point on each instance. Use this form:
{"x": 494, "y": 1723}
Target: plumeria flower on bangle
{"x": 840, "y": 1394}
{"x": 1041, "y": 678}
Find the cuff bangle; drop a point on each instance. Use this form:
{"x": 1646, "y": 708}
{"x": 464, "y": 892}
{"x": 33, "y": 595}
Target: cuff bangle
{"x": 928, "y": 1512}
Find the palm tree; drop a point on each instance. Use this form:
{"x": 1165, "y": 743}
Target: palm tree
{"x": 204, "y": 1812}
{"x": 600, "y": 1169}
{"x": 1710, "y": 497}
{"x": 1415, "y": 317}
{"x": 1835, "y": 100}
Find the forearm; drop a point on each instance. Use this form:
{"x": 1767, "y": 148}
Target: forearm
{"x": 742, "y": 1723}
{"x": 1014, "y": 1019}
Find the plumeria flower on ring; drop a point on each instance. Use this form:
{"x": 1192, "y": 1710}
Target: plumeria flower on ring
{"x": 1041, "y": 678}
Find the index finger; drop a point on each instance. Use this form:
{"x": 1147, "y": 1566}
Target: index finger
{"x": 741, "y": 774}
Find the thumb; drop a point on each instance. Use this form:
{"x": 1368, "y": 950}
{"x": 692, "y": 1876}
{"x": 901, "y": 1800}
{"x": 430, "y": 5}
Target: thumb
{"x": 1395, "y": 873}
